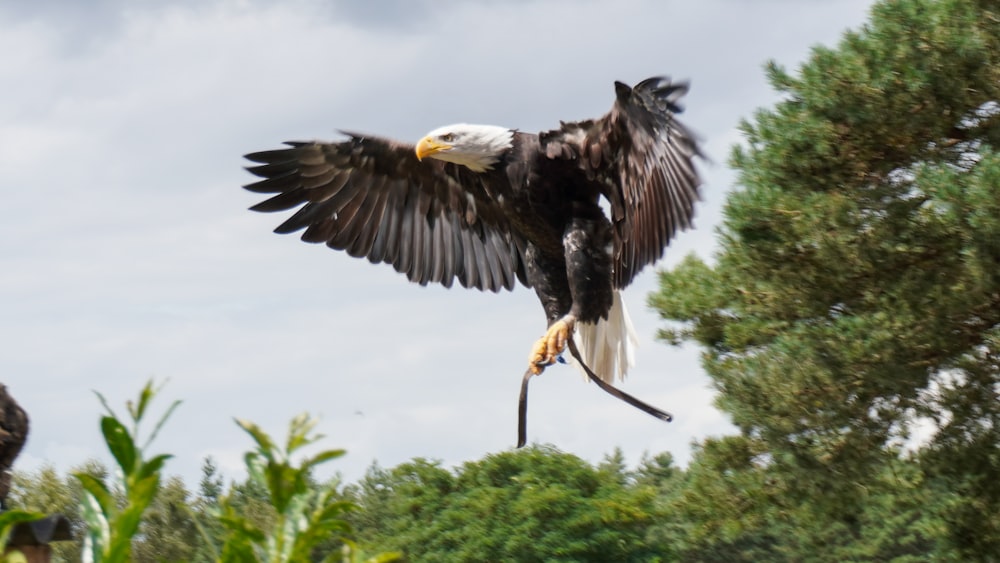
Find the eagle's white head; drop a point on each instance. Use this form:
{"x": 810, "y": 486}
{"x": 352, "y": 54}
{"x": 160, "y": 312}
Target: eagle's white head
{"x": 477, "y": 147}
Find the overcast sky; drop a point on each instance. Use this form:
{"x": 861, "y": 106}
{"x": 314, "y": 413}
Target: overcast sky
{"x": 127, "y": 252}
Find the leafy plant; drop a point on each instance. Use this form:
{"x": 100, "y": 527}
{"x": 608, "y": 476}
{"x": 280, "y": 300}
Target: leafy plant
{"x": 110, "y": 525}
{"x": 306, "y": 515}
{"x": 301, "y": 519}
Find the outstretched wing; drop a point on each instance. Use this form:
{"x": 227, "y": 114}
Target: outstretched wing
{"x": 644, "y": 159}
{"x": 373, "y": 198}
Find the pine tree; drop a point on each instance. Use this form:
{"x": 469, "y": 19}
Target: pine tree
{"x": 857, "y": 289}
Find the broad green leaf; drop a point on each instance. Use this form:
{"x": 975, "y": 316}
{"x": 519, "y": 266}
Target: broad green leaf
{"x": 153, "y": 466}
{"x": 98, "y": 528}
{"x": 120, "y": 443}
{"x": 102, "y": 496}
{"x": 322, "y": 457}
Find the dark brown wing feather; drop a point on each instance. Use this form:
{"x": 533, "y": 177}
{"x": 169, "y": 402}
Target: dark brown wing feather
{"x": 644, "y": 159}
{"x": 372, "y": 198}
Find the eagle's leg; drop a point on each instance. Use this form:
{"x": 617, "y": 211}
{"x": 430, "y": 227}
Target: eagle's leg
{"x": 573, "y": 287}
{"x": 587, "y": 279}
{"x": 547, "y": 275}
{"x": 548, "y": 347}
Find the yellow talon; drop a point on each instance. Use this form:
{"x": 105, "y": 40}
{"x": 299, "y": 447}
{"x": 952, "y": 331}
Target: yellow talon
{"x": 548, "y": 347}
{"x": 537, "y": 359}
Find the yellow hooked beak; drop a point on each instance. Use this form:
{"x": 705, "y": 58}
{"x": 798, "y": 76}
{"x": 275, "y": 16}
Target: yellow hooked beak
{"x": 428, "y": 146}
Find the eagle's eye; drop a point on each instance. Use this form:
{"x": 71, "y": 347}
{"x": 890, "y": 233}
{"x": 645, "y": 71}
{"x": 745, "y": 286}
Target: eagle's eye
{"x": 448, "y": 137}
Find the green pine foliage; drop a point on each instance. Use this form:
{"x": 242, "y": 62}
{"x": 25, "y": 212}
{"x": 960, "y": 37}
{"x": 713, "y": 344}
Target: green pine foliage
{"x": 857, "y": 295}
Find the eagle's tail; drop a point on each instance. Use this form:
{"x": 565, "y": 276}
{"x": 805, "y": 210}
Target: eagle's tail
{"x": 608, "y": 346}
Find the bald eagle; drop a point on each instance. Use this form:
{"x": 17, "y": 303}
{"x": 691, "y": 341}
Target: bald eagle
{"x": 489, "y": 207}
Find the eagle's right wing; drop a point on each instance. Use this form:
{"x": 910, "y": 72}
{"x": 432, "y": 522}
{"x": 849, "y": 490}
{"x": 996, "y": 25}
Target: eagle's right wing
{"x": 373, "y": 198}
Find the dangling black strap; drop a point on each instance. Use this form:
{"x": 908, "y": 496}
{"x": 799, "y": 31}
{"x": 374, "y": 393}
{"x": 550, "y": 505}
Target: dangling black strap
{"x": 522, "y": 404}
{"x": 522, "y": 410}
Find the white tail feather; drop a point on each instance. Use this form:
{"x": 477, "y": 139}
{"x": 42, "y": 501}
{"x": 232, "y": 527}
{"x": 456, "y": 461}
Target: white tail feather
{"x": 608, "y": 346}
